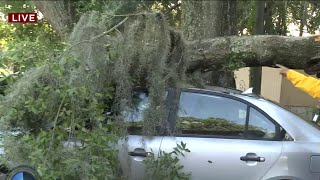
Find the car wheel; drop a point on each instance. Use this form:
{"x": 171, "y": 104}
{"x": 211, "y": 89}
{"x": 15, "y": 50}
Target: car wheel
{"x": 23, "y": 173}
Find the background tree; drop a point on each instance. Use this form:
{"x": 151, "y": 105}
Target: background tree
{"x": 256, "y": 72}
{"x": 24, "y": 45}
{"x": 208, "y": 19}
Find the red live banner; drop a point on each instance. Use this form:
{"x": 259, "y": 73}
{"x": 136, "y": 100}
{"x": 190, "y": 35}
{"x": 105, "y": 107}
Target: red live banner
{"x": 22, "y": 17}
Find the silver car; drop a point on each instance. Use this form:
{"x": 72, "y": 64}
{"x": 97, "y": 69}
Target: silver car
{"x": 231, "y": 136}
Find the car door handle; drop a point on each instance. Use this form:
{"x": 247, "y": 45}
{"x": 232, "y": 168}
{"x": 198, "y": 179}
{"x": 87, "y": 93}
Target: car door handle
{"x": 138, "y": 152}
{"x": 252, "y": 157}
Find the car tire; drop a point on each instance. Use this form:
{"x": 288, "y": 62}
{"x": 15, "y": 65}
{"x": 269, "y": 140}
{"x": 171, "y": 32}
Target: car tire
{"x": 32, "y": 174}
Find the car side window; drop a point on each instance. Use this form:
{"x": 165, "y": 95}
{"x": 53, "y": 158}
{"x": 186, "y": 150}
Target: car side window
{"x": 202, "y": 114}
{"x": 260, "y": 126}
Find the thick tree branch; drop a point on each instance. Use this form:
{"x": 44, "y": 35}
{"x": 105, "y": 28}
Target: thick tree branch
{"x": 263, "y": 50}
{"x": 212, "y": 54}
{"x": 60, "y": 14}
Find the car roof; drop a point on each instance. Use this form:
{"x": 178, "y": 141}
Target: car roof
{"x": 296, "y": 127}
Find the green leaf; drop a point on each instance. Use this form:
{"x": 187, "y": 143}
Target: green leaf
{"x": 84, "y": 129}
{"x": 34, "y": 110}
{"x": 183, "y": 145}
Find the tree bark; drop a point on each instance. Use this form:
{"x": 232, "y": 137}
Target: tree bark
{"x": 269, "y": 26}
{"x": 200, "y": 19}
{"x": 283, "y": 16}
{"x": 207, "y": 19}
{"x": 259, "y": 24}
{"x": 262, "y": 50}
{"x": 61, "y": 14}
{"x": 256, "y": 72}
{"x": 303, "y": 12}
{"x": 228, "y": 27}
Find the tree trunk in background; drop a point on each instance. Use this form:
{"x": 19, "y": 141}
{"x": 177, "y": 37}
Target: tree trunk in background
{"x": 208, "y": 19}
{"x": 283, "y": 16}
{"x": 303, "y": 13}
{"x": 256, "y": 72}
{"x": 281, "y": 28}
{"x": 269, "y": 26}
{"x": 227, "y": 26}
{"x": 60, "y": 14}
{"x": 259, "y": 26}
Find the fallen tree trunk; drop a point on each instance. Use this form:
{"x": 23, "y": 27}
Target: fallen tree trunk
{"x": 212, "y": 54}
{"x": 260, "y": 50}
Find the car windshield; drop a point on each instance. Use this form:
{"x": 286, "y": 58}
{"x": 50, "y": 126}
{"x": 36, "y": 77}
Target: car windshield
{"x": 140, "y": 104}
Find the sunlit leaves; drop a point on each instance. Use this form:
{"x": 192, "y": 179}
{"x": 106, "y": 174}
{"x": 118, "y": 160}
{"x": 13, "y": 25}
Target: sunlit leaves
{"x": 165, "y": 165}
{"x": 26, "y": 45}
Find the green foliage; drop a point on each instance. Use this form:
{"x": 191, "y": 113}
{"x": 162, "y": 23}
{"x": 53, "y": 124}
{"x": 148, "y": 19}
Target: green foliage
{"x": 278, "y": 16}
{"x": 7, "y": 78}
{"x": 93, "y": 157}
{"x": 246, "y": 16}
{"x": 85, "y": 6}
{"x": 16, "y": 6}
{"x": 165, "y": 166}
{"x": 72, "y": 90}
{"x": 235, "y": 61}
{"x": 26, "y": 45}
{"x": 172, "y": 10}
{"x": 66, "y": 93}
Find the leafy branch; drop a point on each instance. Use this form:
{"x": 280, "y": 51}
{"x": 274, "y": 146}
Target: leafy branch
{"x": 165, "y": 166}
